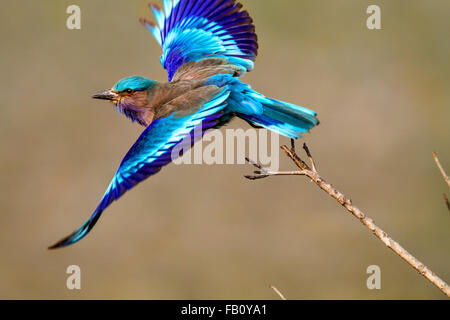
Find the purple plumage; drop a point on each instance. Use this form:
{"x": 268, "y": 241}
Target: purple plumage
{"x": 190, "y": 30}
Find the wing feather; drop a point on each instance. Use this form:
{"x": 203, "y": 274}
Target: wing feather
{"x": 190, "y": 30}
{"x": 152, "y": 151}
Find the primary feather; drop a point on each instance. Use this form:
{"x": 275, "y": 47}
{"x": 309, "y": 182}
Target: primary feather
{"x": 190, "y": 30}
{"x": 151, "y": 152}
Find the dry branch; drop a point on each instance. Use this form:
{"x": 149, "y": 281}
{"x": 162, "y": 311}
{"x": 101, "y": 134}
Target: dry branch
{"x": 278, "y": 292}
{"x": 438, "y": 163}
{"x": 311, "y": 172}
{"x": 446, "y": 201}
{"x": 446, "y": 178}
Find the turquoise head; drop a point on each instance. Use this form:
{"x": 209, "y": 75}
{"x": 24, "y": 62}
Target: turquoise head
{"x": 130, "y": 96}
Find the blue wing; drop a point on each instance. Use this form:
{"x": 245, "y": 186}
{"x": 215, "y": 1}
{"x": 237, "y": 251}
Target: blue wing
{"x": 190, "y": 30}
{"x": 151, "y": 152}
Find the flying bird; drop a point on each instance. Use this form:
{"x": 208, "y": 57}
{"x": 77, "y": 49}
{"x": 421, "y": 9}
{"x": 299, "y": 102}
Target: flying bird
{"x": 207, "y": 46}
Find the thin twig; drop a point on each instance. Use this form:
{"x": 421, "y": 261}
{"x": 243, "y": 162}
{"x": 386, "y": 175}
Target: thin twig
{"x": 446, "y": 201}
{"x": 365, "y": 220}
{"x": 438, "y": 163}
{"x": 278, "y": 292}
{"x": 293, "y": 145}
{"x": 259, "y": 174}
{"x": 446, "y": 178}
{"x": 310, "y": 158}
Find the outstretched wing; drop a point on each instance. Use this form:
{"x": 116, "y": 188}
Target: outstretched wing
{"x": 153, "y": 150}
{"x": 190, "y": 30}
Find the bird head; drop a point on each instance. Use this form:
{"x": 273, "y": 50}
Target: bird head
{"x": 130, "y": 96}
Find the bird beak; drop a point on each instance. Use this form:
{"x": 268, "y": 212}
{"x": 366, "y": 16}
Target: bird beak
{"x": 106, "y": 95}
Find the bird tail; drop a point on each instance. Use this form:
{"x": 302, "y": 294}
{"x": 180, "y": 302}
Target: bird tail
{"x": 281, "y": 117}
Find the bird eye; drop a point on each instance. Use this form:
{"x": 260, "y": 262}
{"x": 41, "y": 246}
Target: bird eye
{"x": 129, "y": 91}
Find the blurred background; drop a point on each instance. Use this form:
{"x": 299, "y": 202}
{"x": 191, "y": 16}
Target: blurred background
{"x": 204, "y": 232}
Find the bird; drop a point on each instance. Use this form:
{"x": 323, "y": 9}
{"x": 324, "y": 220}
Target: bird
{"x": 207, "y": 46}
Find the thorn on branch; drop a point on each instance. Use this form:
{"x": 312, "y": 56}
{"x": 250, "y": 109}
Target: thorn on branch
{"x": 253, "y": 163}
{"x": 259, "y": 174}
{"x": 293, "y": 146}
{"x": 256, "y": 177}
{"x": 311, "y": 160}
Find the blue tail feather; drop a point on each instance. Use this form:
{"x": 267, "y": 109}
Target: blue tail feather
{"x": 284, "y": 118}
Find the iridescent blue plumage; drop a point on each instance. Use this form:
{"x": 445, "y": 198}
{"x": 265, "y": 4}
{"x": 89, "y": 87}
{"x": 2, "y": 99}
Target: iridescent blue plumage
{"x": 190, "y": 30}
{"x": 151, "y": 152}
{"x": 207, "y": 46}
{"x": 134, "y": 83}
